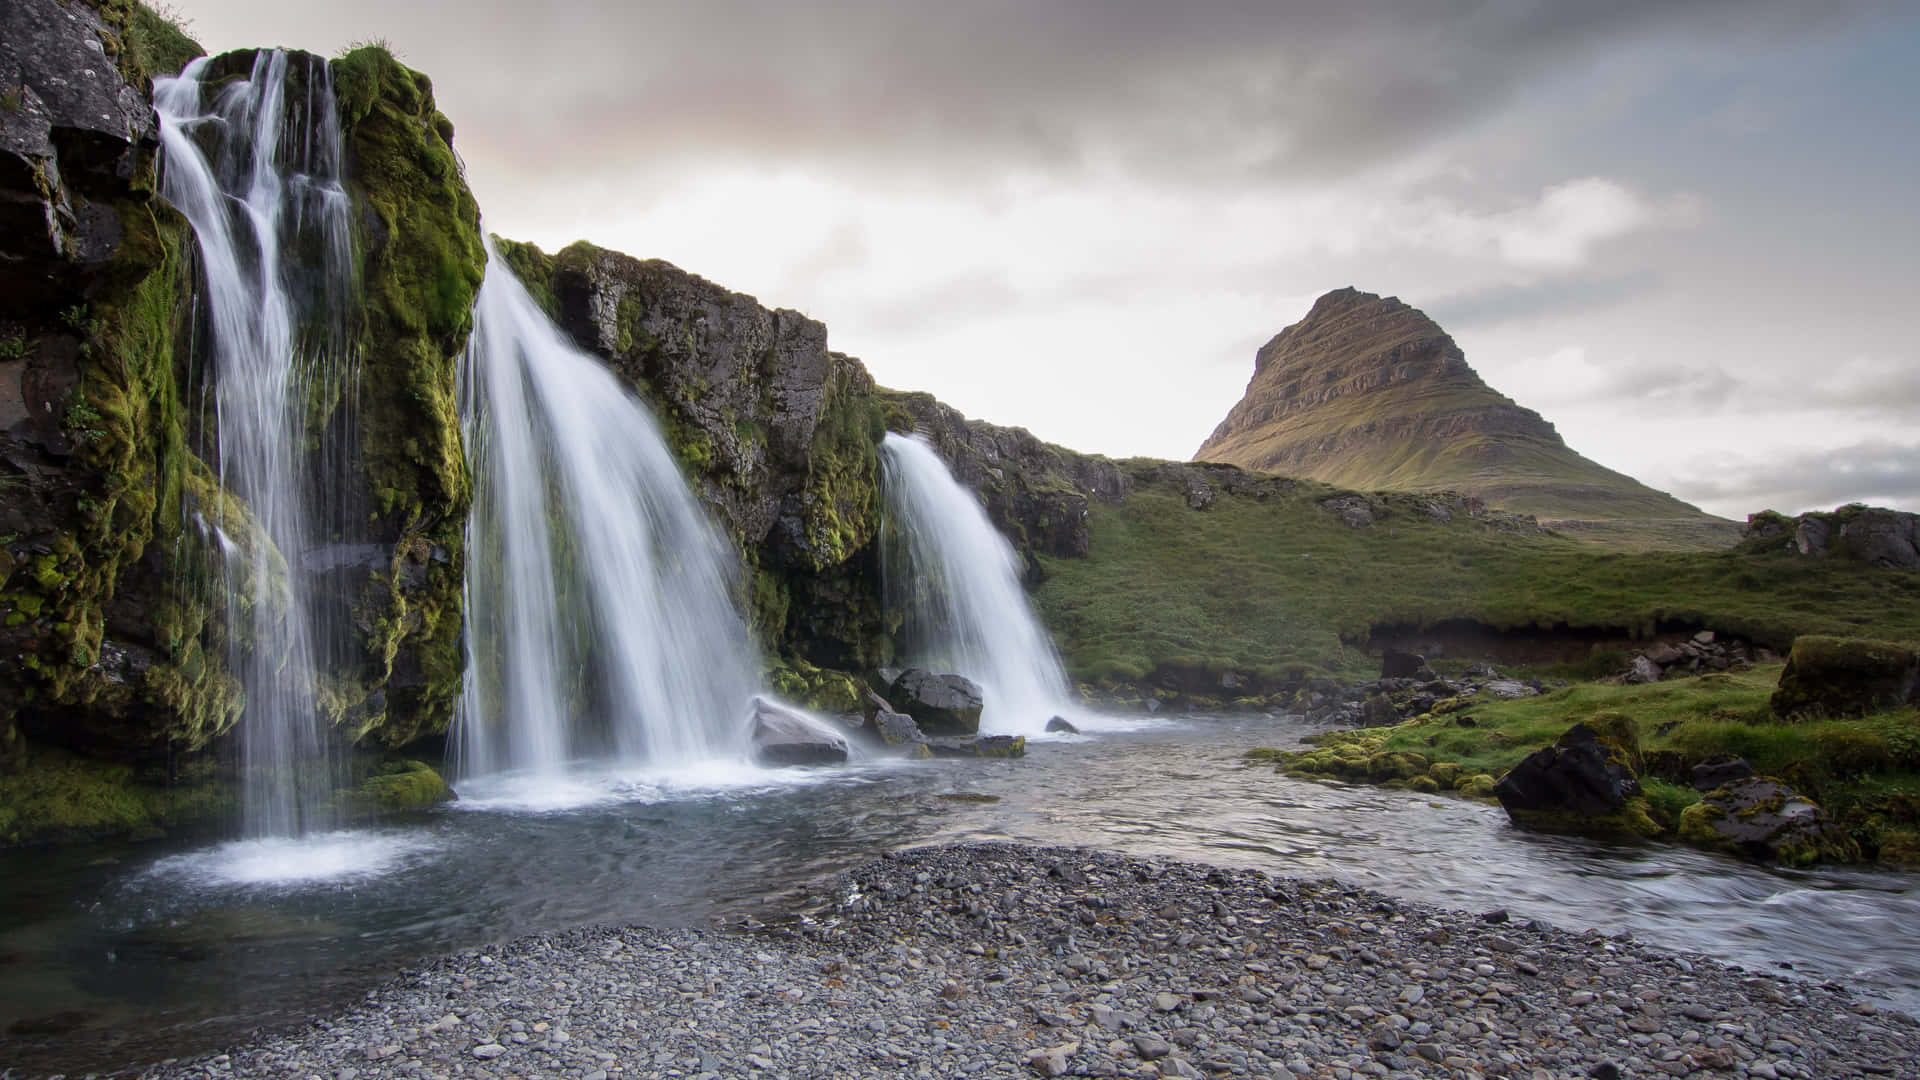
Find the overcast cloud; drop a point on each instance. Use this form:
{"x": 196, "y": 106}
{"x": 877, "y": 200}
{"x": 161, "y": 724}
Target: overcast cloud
{"x": 1681, "y": 230}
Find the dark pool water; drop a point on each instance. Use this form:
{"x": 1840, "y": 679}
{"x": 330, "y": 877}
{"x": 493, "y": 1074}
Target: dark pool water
{"x": 110, "y": 956}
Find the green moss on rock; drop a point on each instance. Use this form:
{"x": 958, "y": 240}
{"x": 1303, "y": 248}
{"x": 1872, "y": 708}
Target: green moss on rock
{"x": 1837, "y": 676}
{"x": 397, "y": 787}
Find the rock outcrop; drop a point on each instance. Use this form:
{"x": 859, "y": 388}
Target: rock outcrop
{"x": 1368, "y": 393}
{"x": 1872, "y": 535}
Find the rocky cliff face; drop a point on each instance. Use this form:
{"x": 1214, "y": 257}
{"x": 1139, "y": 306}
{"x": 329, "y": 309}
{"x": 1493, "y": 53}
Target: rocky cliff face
{"x": 1035, "y": 492}
{"x": 778, "y": 432}
{"x": 112, "y": 635}
{"x": 1368, "y": 393}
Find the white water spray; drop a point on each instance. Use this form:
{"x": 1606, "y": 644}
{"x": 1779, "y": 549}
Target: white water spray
{"x": 957, "y": 580}
{"x": 256, "y": 170}
{"x": 600, "y": 618}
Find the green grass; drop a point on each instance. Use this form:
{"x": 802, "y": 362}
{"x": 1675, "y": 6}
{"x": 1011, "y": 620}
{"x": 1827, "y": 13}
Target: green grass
{"x": 1268, "y": 582}
{"x": 1864, "y": 771}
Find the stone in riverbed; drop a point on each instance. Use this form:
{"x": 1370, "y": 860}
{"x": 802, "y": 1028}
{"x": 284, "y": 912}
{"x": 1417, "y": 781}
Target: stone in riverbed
{"x": 782, "y": 736}
{"x": 940, "y": 704}
{"x": 1583, "y": 783}
{"x": 1765, "y": 819}
{"x": 1061, "y": 724}
{"x": 987, "y": 746}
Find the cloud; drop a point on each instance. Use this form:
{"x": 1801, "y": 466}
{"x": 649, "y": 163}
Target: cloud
{"x": 1880, "y": 472}
{"x": 1216, "y": 91}
{"x": 1532, "y": 300}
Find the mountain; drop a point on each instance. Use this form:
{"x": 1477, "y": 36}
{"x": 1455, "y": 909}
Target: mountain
{"x": 1368, "y": 393}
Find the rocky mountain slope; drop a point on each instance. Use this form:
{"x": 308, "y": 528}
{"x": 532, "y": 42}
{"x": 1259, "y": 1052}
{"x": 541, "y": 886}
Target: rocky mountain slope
{"x": 1368, "y": 393}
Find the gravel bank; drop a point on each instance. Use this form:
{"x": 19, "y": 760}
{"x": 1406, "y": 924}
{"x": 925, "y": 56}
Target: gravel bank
{"x": 999, "y": 961}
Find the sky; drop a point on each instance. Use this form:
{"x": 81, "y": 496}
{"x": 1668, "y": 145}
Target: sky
{"x": 1684, "y": 231}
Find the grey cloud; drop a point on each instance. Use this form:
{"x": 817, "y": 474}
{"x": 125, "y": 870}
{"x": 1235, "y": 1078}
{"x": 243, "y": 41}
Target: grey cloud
{"x": 1225, "y": 91}
{"x": 1876, "y": 471}
{"x": 1508, "y": 303}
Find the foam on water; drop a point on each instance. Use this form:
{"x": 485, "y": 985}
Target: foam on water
{"x": 282, "y": 861}
{"x": 590, "y": 785}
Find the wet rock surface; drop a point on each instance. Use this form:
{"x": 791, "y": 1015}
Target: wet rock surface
{"x": 1000, "y": 960}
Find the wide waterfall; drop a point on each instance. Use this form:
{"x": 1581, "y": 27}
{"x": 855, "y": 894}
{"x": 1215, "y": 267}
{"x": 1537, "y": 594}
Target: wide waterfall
{"x": 957, "y": 582}
{"x": 255, "y": 166}
{"x": 600, "y": 621}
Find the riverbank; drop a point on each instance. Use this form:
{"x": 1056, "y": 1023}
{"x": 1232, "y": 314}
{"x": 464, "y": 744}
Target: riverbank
{"x": 1002, "y": 960}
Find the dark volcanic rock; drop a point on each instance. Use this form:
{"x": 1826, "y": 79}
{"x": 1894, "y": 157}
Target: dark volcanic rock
{"x": 940, "y": 704}
{"x": 1762, "y": 818}
{"x": 1582, "y": 782}
{"x": 782, "y": 736}
{"x": 1719, "y": 770}
{"x": 1063, "y": 725}
{"x": 1395, "y": 664}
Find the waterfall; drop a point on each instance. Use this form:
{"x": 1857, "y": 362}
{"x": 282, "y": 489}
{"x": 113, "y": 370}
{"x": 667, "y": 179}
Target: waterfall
{"x": 957, "y": 581}
{"x": 255, "y": 165}
{"x": 600, "y": 614}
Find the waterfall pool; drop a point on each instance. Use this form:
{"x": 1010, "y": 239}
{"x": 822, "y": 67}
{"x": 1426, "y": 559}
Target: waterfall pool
{"x": 111, "y": 955}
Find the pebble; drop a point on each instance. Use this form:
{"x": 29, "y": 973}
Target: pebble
{"x": 1000, "y": 962}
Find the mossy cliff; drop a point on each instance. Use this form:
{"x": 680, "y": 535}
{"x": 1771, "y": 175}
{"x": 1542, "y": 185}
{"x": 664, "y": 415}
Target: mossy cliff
{"x": 113, "y": 641}
{"x": 105, "y": 644}
{"x": 778, "y": 433}
{"x": 422, "y": 266}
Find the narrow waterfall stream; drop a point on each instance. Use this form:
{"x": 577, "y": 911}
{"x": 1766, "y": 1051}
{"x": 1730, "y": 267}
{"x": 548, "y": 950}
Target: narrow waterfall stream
{"x": 255, "y": 165}
{"x": 956, "y": 581}
{"x": 601, "y": 624}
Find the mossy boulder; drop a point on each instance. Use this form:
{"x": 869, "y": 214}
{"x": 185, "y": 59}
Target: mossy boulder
{"x": 397, "y": 787}
{"x": 1835, "y": 676}
{"x": 1446, "y": 774}
{"x": 1763, "y": 818}
{"x": 1396, "y": 765}
{"x": 1478, "y": 786}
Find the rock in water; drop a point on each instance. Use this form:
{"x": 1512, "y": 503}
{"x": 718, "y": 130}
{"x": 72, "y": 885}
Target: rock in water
{"x": 782, "y": 736}
{"x": 1061, "y": 724}
{"x": 1765, "y": 819}
{"x": 940, "y": 704}
{"x": 1582, "y": 783}
{"x": 895, "y": 729}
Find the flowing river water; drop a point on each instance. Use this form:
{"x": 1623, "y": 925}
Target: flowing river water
{"x": 114, "y": 955}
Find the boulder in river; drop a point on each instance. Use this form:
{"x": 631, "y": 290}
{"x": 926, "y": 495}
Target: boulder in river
{"x": 1062, "y": 725}
{"x": 940, "y": 704}
{"x": 1585, "y": 782}
{"x": 783, "y": 736}
{"x": 1762, "y": 818}
{"x": 987, "y": 746}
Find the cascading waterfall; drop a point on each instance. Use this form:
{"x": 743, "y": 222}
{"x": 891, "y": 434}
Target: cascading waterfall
{"x": 255, "y": 165}
{"x": 600, "y": 618}
{"x": 957, "y": 581}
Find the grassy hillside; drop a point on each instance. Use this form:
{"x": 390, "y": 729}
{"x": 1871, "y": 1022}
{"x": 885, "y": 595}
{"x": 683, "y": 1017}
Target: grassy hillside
{"x": 1272, "y": 582}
